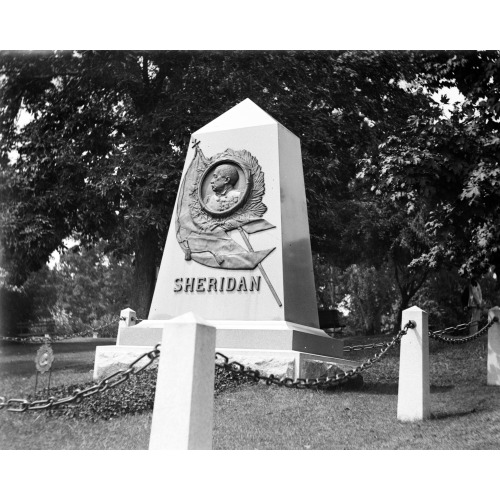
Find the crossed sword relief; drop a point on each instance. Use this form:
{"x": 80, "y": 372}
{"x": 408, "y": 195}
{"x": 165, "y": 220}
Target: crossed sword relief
{"x": 244, "y": 235}
{"x": 261, "y": 269}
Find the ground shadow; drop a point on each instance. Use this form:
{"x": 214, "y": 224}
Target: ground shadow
{"x": 358, "y": 385}
{"x": 390, "y": 388}
{"x": 441, "y": 388}
{"x": 381, "y": 388}
{"x": 441, "y": 415}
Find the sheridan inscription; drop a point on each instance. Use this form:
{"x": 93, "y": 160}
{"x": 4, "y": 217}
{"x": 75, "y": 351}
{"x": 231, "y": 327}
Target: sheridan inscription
{"x": 225, "y": 284}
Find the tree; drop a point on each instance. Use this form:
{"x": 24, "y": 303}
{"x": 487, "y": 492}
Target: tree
{"x": 371, "y": 293}
{"x": 85, "y": 286}
{"x": 448, "y": 166}
{"x": 88, "y": 159}
{"x": 383, "y": 238}
{"x": 103, "y": 152}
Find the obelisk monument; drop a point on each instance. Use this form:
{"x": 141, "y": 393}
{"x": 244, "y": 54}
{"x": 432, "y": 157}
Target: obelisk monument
{"x": 238, "y": 250}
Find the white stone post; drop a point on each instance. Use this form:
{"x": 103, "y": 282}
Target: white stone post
{"x": 129, "y": 317}
{"x": 493, "y": 377}
{"x": 413, "y": 389}
{"x": 184, "y": 398}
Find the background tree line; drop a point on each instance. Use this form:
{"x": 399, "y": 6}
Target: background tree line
{"x": 401, "y": 197}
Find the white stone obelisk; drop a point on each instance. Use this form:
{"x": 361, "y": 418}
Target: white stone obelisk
{"x": 245, "y": 318}
{"x": 493, "y": 376}
{"x": 270, "y": 308}
{"x": 413, "y": 387}
{"x": 183, "y": 407}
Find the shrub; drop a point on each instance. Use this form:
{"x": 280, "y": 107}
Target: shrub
{"x": 63, "y": 324}
{"x": 136, "y": 395}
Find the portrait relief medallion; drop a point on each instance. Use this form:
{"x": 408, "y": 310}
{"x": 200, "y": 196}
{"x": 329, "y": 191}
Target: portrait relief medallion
{"x": 224, "y": 188}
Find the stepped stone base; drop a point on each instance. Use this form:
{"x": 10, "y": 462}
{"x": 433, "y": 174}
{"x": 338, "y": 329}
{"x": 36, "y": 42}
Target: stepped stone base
{"x": 281, "y": 363}
{"x": 259, "y": 335}
{"x": 280, "y": 348}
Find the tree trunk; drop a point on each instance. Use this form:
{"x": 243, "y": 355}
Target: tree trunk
{"x": 377, "y": 323}
{"x": 408, "y": 285}
{"x": 146, "y": 253}
{"x": 403, "y": 304}
{"x": 361, "y": 309}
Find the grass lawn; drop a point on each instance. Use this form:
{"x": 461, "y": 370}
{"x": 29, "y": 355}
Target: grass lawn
{"x": 465, "y": 411}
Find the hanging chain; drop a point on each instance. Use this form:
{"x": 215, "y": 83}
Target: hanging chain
{"x": 83, "y": 333}
{"x": 438, "y": 335}
{"x": 37, "y": 338}
{"x": 362, "y": 347}
{"x": 306, "y": 383}
{"x": 117, "y": 378}
{"x": 134, "y": 319}
{"x": 455, "y": 329}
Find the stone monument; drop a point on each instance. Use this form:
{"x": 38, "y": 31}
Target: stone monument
{"x": 238, "y": 250}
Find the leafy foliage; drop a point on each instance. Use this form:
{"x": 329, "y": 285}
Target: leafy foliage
{"x": 391, "y": 182}
{"x": 372, "y": 294}
{"x": 86, "y": 283}
{"x": 86, "y": 289}
{"x": 102, "y": 155}
{"x": 447, "y": 167}
{"x": 132, "y": 397}
{"x": 15, "y": 305}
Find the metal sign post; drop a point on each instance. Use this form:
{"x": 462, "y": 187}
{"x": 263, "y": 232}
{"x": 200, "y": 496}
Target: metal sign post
{"x": 43, "y": 362}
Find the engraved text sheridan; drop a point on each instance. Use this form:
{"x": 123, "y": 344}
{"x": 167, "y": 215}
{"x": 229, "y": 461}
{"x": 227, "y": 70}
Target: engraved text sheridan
{"x": 224, "y": 284}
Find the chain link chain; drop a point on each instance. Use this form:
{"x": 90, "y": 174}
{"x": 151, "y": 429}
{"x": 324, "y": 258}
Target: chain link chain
{"x": 362, "y": 347}
{"x": 438, "y": 335}
{"x": 455, "y": 329}
{"x": 135, "y": 320}
{"x": 306, "y": 383}
{"x": 117, "y": 378}
{"x": 83, "y": 333}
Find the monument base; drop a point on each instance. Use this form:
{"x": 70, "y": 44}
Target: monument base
{"x": 280, "y": 363}
{"x": 111, "y": 358}
{"x": 260, "y": 335}
{"x": 285, "y": 363}
{"x": 275, "y": 347}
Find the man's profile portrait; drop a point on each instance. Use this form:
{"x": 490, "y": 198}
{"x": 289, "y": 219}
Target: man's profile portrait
{"x": 224, "y": 178}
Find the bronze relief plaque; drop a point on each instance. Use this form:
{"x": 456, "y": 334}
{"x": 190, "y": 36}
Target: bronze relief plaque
{"x": 224, "y": 188}
{"x": 218, "y": 195}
